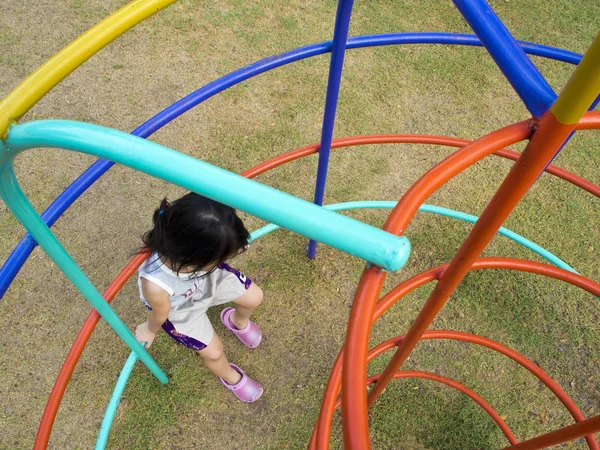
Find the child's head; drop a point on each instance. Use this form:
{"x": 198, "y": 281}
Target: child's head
{"x": 195, "y": 233}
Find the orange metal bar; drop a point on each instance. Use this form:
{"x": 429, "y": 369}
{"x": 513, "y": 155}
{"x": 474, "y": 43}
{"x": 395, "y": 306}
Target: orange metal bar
{"x": 536, "y": 156}
{"x": 557, "y": 171}
{"x": 322, "y": 432}
{"x": 355, "y": 420}
{"x": 460, "y": 160}
{"x": 590, "y": 121}
{"x": 456, "y": 385}
{"x": 60, "y": 385}
{"x": 354, "y": 373}
{"x": 464, "y": 337}
{"x": 565, "y": 434}
{"x": 418, "y": 139}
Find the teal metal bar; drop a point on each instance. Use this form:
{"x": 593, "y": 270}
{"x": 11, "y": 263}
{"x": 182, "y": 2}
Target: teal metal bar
{"x": 17, "y": 202}
{"x": 113, "y": 403}
{"x": 435, "y": 210}
{"x": 351, "y": 236}
{"x": 504, "y": 232}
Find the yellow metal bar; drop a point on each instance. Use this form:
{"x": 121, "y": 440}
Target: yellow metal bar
{"x": 53, "y": 71}
{"x": 582, "y": 88}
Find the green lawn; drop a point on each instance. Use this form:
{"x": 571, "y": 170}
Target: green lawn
{"x": 455, "y": 91}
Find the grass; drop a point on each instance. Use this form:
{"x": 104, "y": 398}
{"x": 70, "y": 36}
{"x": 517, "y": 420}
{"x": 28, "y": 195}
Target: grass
{"x": 444, "y": 90}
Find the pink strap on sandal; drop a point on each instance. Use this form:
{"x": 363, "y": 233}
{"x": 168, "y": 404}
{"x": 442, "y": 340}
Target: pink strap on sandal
{"x": 250, "y": 336}
{"x": 247, "y": 389}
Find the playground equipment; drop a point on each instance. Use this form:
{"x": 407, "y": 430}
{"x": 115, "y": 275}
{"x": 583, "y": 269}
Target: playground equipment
{"x": 554, "y": 119}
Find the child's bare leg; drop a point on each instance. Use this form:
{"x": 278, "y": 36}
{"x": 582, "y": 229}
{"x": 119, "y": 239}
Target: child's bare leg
{"x": 245, "y": 306}
{"x": 217, "y": 362}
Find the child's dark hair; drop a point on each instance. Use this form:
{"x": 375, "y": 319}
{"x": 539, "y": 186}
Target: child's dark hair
{"x": 195, "y": 232}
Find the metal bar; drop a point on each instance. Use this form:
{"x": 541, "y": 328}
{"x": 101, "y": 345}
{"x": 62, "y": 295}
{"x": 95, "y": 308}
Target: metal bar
{"x": 525, "y": 78}
{"x": 60, "y": 385}
{"x": 565, "y": 434}
{"x": 336, "y": 65}
{"x": 323, "y": 426}
{"x": 351, "y": 236}
{"x": 420, "y": 139}
{"x": 41, "y": 81}
{"x": 113, "y": 403}
{"x": 459, "y": 387}
{"x": 19, "y": 255}
{"x": 17, "y": 202}
{"x": 550, "y": 135}
{"x": 565, "y": 104}
{"x": 355, "y": 422}
{"x": 375, "y": 204}
{"x": 582, "y": 88}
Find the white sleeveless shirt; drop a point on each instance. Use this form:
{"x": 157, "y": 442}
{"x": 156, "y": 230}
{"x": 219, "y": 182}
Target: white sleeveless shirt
{"x": 192, "y": 294}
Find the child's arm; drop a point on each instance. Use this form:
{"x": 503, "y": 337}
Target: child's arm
{"x": 158, "y": 299}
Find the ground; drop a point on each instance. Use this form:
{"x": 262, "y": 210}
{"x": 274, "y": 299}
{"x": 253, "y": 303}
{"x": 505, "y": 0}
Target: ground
{"x": 418, "y": 89}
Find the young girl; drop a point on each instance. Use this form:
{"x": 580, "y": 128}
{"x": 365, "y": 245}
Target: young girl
{"x": 185, "y": 275}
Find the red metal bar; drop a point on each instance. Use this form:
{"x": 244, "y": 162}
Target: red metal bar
{"x": 403, "y": 213}
{"x": 456, "y": 385}
{"x": 410, "y": 139}
{"x": 355, "y": 422}
{"x": 536, "y": 156}
{"x": 565, "y": 434}
{"x": 322, "y": 430}
{"x": 589, "y": 121}
{"x": 557, "y": 171}
{"x": 354, "y": 373}
{"x": 460, "y": 160}
{"x": 45, "y": 428}
{"x": 478, "y": 340}
{"x": 354, "y": 141}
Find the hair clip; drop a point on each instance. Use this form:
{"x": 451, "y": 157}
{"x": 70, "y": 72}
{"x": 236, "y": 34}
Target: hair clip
{"x": 160, "y": 213}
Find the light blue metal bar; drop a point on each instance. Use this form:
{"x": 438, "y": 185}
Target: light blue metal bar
{"x": 113, "y": 404}
{"x": 17, "y": 202}
{"x": 351, "y": 236}
{"x": 435, "y": 210}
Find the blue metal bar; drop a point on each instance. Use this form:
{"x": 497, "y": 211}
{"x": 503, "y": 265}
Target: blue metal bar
{"x": 527, "y": 81}
{"x": 19, "y": 255}
{"x": 336, "y": 65}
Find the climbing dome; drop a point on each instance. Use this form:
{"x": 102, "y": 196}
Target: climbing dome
{"x": 554, "y": 119}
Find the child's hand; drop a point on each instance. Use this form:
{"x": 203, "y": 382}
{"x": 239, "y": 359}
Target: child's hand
{"x": 144, "y": 334}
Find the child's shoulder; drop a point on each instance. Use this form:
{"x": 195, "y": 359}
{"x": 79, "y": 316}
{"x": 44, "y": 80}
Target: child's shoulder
{"x": 151, "y": 265}
{"x": 152, "y": 288}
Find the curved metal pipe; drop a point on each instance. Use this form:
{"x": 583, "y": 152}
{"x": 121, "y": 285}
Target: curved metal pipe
{"x": 21, "y": 252}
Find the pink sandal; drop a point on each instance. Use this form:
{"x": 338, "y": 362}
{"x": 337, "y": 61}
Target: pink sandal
{"x": 250, "y": 336}
{"x": 247, "y": 389}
